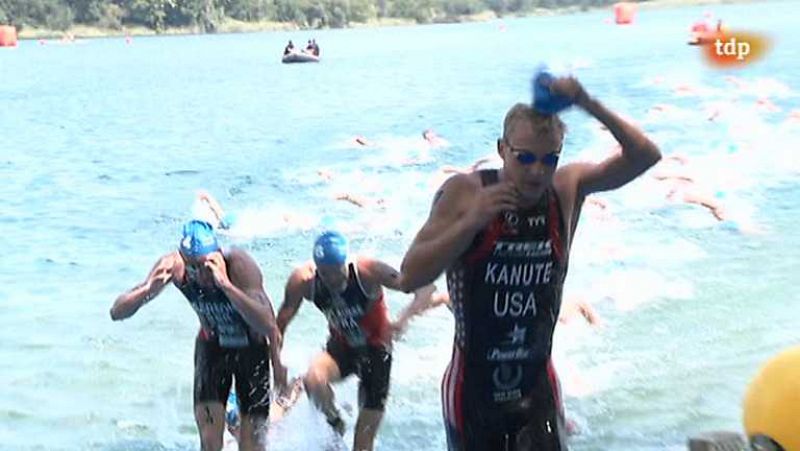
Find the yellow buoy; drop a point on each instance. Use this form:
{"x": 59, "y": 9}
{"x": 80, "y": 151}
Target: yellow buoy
{"x": 772, "y": 401}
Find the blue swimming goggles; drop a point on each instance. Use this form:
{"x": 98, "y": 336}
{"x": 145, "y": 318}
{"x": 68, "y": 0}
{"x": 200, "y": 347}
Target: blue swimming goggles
{"x": 527, "y": 157}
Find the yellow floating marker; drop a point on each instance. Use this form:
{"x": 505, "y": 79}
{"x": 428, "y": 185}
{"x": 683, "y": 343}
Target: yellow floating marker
{"x": 772, "y": 402}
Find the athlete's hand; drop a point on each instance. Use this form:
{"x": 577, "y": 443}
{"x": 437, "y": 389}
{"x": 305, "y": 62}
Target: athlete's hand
{"x": 216, "y": 263}
{"x": 279, "y": 377}
{"x": 441, "y": 299}
{"x": 162, "y": 273}
{"x": 490, "y": 201}
{"x": 278, "y": 341}
{"x": 569, "y": 87}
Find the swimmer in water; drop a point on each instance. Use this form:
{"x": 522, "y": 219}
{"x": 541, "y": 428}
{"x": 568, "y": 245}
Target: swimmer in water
{"x": 362, "y": 141}
{"x": 446, "y": 171}
{"x": 433, "y": 140}
{"x": 569, "y": 311}
{"x": 325, "y": 174}
{"x": 683, "y": 187}
{"x": 360, "y": 201}
{"x": 208, "y": 209}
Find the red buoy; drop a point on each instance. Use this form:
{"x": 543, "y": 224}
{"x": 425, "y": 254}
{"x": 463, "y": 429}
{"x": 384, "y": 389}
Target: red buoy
{"x": 8, "y": 36}
{"x": 624, "y": 12}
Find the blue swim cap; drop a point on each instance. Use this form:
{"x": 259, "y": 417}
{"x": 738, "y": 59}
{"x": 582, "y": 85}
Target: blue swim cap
{"x": 330, "y": 249}
{"x": 543, "y": 100}
{"x": 198, "y": 239}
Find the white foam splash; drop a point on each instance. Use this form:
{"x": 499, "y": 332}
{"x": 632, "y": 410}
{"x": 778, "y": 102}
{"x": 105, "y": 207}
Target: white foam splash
{"x": 630, "y": 289}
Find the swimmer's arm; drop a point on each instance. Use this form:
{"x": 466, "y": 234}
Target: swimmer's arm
{"x": 355, "y": 200}
{"x": 478, "y": 163}
{"x": 446, "y": 234}
{"x": 448, "y": 169}
{"x": 212, "y": 203}
{"x": 707, "y": 202}
{"x": 160, "y": 275}
{"x": 293, "y": 296}
{"x": 638, "y": 152}
{"x": 677, "y": 157}
{"x": 683, "y": 178}
{"x": 581, "y": 307}
{"x": 427, "y": 300}
{"x": 589, "y": 313}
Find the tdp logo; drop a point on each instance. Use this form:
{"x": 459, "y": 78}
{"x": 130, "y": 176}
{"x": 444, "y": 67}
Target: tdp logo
{"x": 735, "y": 49}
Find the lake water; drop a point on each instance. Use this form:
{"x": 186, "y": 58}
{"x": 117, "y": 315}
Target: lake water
{"x": 103, "y": 146}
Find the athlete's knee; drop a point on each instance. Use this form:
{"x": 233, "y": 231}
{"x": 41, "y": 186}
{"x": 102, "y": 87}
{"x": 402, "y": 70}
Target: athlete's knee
{"x": 366, "y": 430}
{"x": 252, "y": 446}
{"x": 210, "y": 423}
{"x": 210, "y": 439}
{"x": 373, "y": 401}
{"x": 253, "y": 433}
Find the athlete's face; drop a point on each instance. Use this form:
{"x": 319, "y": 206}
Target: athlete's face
{"x": 196, "y": 270}
{"x": 333, "y": 276}
{"x": 529, "y": 160}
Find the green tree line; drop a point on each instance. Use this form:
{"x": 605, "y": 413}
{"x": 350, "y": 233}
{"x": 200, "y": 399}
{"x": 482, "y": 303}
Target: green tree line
{"x": 207, "y": 15}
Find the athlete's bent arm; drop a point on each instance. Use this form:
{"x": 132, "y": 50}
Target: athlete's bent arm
{"x": 385, "y": 275}
{"x": 160, "y": 275}
{"x": 292, "y": 297}
{"x": 245, "y": 290}
{"x": 447, "y": 233}
{"x": 638, "y": 154}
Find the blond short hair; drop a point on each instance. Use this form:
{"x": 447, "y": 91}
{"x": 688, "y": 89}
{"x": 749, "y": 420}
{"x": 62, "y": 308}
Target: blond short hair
{"x": 543, "y": 124}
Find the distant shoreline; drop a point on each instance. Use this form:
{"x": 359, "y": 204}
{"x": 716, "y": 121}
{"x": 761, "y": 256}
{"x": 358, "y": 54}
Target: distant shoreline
{"x": 234, "y": 26}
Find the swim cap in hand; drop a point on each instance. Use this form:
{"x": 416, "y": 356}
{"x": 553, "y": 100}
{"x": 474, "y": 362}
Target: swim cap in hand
{"x": 543, "y": 100}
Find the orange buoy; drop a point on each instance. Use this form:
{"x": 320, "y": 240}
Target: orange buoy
{"x": 624, "y": 12}
{"x": 8, "y": 36}
{"x": 700, "y": 27}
